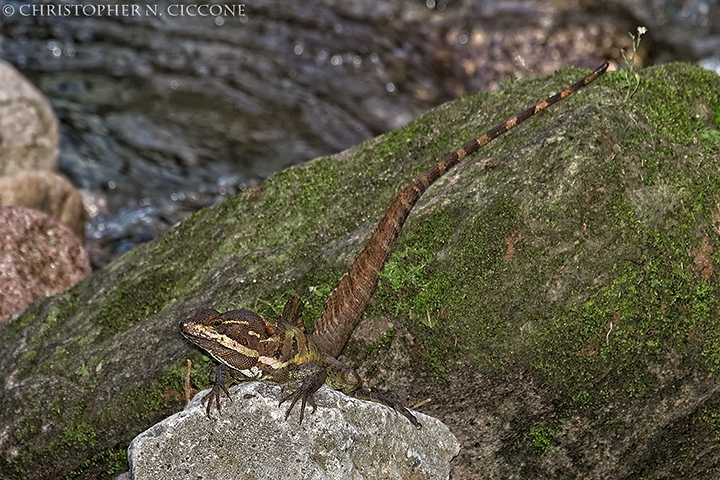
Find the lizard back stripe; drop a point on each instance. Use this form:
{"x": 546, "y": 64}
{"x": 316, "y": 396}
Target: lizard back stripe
{"x": 347, "y": 302}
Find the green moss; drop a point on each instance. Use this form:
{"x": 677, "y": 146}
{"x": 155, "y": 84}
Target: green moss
{"x": 164, "y": 393}
{"x": 383, "y": 342}
{"x": 30, "y": 428}
{"x": 202, "y": 365}
{"x": 79, "y": 433}
{"x": 648, "y": 306}
{"x": 711, "y": 134}
{"x": 56, "y": 406}
{"x": 104, "y": 464}
{"x": 666, "y": 101}
{"x": 541, "y": 438}
{"x": 132, "y": 299}
{"x": 405, "y": 274}
{"x": 711, "y": 417}
{"x": 430, "y": 292}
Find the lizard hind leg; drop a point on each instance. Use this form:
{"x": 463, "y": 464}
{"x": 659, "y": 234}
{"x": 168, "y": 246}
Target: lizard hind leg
{"x": 314, "y": 378}
{"x": 367, "y": 393}
{"x": 343, "y": 378}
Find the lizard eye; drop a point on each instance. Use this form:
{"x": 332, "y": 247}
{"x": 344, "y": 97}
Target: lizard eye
{"x": 216, "y": 322}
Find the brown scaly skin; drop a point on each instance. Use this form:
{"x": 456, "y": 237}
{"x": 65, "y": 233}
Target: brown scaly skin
{"x": 249, "y": 347}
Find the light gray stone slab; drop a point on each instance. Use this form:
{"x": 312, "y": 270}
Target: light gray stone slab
{"x": 345, "y": 438}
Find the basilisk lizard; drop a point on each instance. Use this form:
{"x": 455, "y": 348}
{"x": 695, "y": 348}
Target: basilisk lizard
{"x": 249, "y": 347}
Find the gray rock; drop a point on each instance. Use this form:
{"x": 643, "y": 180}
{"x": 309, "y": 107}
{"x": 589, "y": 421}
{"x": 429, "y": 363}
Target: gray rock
{"x": 29, "y": 136}
{"x": 344, "y": 438}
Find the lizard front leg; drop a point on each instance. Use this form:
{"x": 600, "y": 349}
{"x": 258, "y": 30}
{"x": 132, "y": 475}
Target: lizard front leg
{"x": 313, "y": 377}
{"x": 221, "y": 377}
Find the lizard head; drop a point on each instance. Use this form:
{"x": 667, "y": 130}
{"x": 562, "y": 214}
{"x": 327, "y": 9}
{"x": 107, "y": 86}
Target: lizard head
{"x": 233, "y": 338}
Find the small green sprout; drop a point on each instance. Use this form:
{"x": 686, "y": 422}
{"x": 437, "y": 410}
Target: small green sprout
{"x": 631, "y": 76}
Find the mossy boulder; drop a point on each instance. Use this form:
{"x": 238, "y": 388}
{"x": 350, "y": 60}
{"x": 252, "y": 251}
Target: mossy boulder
{"x": 556, "y": 296}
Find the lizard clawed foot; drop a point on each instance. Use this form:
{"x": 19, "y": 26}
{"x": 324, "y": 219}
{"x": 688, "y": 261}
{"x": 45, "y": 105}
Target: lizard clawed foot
{"x": 371, "y": 394}
{"x": 219, "y": 386}
{"x": 305, "y": 392}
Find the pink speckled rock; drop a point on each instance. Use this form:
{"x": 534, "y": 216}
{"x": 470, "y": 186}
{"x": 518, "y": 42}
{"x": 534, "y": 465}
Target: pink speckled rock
{"x": 48, "y": 192}
{"x": 39, "y": 257}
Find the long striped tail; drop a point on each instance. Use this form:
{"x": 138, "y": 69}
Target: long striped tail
{"x": 347, "y": 302}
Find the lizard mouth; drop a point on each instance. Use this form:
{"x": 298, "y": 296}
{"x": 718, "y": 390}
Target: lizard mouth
{"x": 235, "y": 356}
